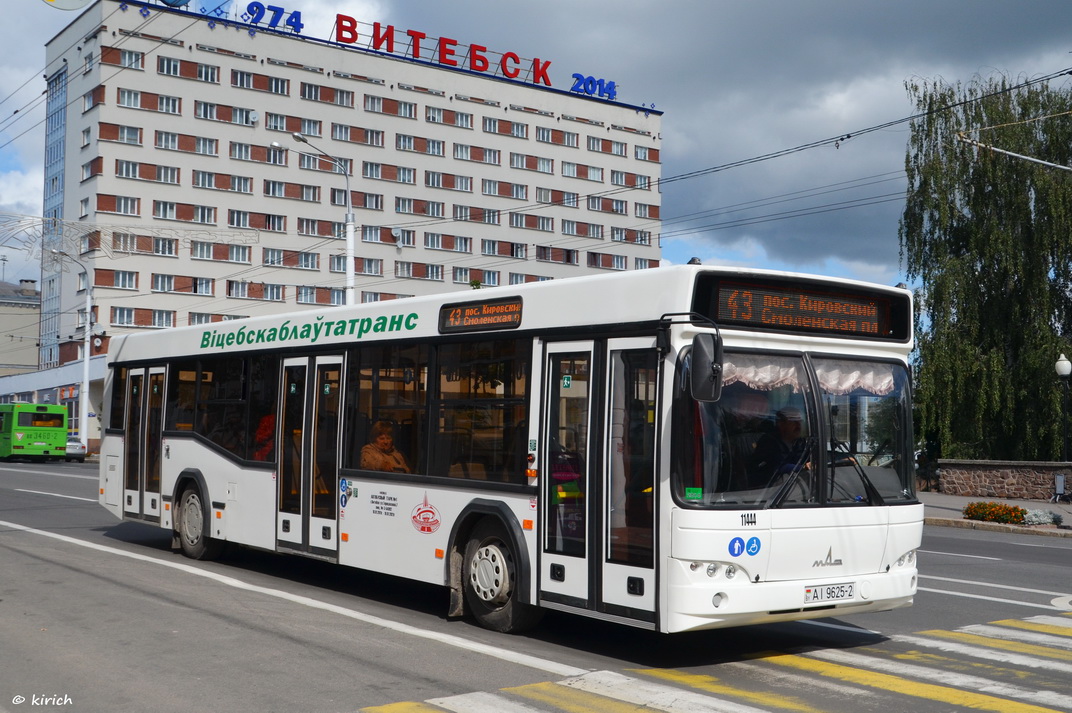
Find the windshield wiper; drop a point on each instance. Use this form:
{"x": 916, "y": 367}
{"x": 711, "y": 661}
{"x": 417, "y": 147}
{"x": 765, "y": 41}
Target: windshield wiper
{"x": 796, "y": 469}
{"x": 872, "y": 491}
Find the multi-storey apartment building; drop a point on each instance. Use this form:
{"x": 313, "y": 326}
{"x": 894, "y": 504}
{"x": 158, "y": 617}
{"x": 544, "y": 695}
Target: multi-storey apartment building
{"x": 184, "y": 197}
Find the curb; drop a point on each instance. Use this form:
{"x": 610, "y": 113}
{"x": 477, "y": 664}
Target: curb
{"x": 1063, "y": 531}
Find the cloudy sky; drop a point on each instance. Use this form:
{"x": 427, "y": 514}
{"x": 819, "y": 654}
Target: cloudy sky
{"x": 736, "y": 80}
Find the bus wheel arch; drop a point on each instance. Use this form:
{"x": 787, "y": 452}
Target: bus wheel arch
{"x": 488, "y": 570}
{"x": 192, "y": 519}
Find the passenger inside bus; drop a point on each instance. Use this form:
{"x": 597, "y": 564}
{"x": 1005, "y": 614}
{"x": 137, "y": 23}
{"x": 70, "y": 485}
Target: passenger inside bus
{"x": 380, "y": 453}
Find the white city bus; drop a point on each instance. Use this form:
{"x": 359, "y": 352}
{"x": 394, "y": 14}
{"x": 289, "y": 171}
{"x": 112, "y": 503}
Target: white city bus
{"x": 675, "y": 449}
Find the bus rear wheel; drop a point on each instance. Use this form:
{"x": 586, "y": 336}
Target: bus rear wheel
{"x": 192, "y": 528}
{"x": 490, "y": 581}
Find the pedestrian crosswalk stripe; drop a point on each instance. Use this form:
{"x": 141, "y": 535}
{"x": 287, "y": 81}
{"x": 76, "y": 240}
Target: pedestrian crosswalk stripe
{"x": 568, "y": 700}
{"x": 404, "y": 707}
{"x": 960, "y": 680}
{"x": 1001, "y": 644}
{"x": 1058, "y": 626}
{"x": 678, "y": 700}
{"x": 711, "y": 684}
{"x": 1016, "y": 634}
{"x": 904, "y": 686}
{"x": 482, "y": 702}
{"x": 610, "y": 692}
{"x": 975, "y": 651}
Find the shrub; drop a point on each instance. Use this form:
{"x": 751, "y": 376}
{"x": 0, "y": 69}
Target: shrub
{"x": 1043, "y": 517}
{"x": 995, "y": 512}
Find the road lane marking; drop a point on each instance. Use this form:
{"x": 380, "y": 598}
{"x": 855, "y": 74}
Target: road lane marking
{"x": 903, "y": 686}
{"x": 841, "y": 627}
{"x": 55, "y": 495}
{"x": 1013, "y": 587}
{"x": 960, "y": 680}
{"x": 978, "y": 652}
{"x": 1049, "y": 607}
{"x": 496, "y": 652}
{"x": 1000, "y": 644}
{"x": 956, "y": 554}
{"x": 48, "y": 472}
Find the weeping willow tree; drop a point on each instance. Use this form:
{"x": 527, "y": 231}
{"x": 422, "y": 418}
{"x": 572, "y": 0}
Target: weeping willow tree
{"x": 988, "y": 236}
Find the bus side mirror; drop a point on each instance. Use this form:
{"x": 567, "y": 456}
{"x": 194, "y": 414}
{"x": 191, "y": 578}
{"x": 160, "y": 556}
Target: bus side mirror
{"x": 706, "y": 367}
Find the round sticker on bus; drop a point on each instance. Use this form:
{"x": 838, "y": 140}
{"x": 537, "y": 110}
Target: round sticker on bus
{"x": 736, "y": 547}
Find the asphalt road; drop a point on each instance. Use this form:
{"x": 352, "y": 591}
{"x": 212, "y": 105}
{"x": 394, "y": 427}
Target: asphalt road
{"x": 98, "y": 615}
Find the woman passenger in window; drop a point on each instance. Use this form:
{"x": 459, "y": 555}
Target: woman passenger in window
{"x": 381, "y": 453}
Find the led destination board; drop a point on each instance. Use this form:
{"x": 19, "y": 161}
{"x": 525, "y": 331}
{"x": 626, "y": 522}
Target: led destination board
{"x": 798, "y": 307}
{"x": 480, "y": 316}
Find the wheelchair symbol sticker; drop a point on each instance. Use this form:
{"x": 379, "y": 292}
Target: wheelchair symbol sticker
{"x": 753, "y": 546}
{"x": 736, "y": 547}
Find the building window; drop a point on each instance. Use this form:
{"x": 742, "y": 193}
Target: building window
{"x": 125, "y": 279}
{"x": 167, "y": 174}
{"x": 168, "y": 105}
{"x": 208, "y": 73}
{"x": 130, "y": 98}
{"x": 130, "y": 59}
{"x": 167, "y": 65}
{"x": 164, "y": 209}
{"x": 204, "y": 214}
{"x": 123, "y": 316}
{"x": 205, "y": 146}
{"x": 165, "y": 246}
{"x": 163, "y": 283}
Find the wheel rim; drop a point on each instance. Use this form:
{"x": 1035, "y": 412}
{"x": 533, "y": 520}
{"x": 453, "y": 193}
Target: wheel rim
{"x": 490, "y": 573}
{"x": 192, "y": 519}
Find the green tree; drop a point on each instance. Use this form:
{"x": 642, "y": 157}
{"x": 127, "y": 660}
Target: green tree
{"x": 988, "y": 236}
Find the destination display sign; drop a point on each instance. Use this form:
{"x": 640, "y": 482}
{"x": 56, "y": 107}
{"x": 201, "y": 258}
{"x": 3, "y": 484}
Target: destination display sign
{"x": 800, "y": 307}
{"x": 504, "y": 313}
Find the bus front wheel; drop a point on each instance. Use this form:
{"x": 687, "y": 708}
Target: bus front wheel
{"x": 490, "y": 581}
{"x": 192, "y": 527}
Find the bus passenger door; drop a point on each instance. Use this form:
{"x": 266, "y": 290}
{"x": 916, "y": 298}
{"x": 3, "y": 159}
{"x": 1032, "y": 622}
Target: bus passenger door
{"x": 565, "y": 474}
{"x": 142, "y": 442}
{"x": 627, "y": 551}
{"x": 308, "y": 492}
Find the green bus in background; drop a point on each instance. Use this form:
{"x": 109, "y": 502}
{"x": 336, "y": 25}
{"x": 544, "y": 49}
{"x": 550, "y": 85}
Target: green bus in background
{"x": 33, "y": 431}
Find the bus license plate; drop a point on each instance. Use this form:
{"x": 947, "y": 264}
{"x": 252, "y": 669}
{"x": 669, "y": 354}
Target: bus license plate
{"x": 829, "y": 592}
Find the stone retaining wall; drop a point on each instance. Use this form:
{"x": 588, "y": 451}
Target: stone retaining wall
{"x": 1012, "y": 480}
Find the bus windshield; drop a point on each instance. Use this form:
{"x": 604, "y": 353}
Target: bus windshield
{"x": 795, "y": 431}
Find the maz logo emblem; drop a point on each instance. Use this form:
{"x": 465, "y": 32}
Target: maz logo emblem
{"x": 829, "y": 561}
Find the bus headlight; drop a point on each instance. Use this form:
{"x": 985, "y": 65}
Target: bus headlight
{"x": 712, "y": 569}
{"x": 907, "y": 558}
{"x": 731, "y": 571}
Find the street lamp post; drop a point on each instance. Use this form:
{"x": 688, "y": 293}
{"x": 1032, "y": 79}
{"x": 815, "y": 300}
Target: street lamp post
{"x": 87, "y": 329}
{"x": 350, "y": 249}
{"x": 1063, "y": 367}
